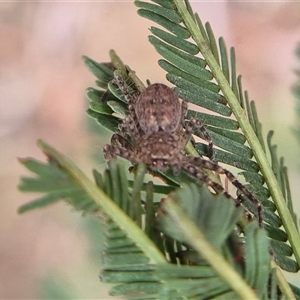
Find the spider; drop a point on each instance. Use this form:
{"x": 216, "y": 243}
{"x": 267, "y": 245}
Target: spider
{"x": 155, "y": 133}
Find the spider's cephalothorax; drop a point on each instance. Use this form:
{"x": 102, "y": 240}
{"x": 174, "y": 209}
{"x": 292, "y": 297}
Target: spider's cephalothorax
{"x": 155, "y": 133}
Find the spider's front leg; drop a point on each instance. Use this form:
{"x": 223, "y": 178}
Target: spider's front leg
{"x": 213, "y": 166}
{"x": 122, "y": 85}
{"x": 129, "y": 96}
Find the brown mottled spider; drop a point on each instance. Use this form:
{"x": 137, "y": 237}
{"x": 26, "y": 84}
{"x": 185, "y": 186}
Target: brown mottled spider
{"x": 155, "y": 133}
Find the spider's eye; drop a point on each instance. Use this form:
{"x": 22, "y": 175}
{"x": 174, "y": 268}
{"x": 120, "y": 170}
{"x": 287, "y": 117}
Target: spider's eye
{"x": 154, "y": 163}
{"x": 165, "y": 163}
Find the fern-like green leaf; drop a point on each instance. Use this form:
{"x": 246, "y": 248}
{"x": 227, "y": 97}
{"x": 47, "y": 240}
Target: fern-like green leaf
{"x": 130, "y": 261}
{"x": 203, "y": 212}
{"x": 57, "y": 185}
{"x": 209, "y": 80}
{"x": 192, "y": 244}
{"x": 197, "y": 203}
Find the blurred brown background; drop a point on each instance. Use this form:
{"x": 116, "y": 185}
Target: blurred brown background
{"x": 50, "y": 253}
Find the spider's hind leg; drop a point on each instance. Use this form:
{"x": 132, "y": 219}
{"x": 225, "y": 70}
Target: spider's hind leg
{"x": 196, "y": 172}
{"x": 213, "y": 166}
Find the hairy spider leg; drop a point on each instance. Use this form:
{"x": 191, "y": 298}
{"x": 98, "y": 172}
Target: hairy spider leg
{"x": 120, "y": 146}
{"x": 112, "y": 151}
{"x": 213, "y": 166}
{"x": 122, "y": 85}
{"x": 128, "y": 127}
{"x": 199, "y": 174}
{"x": 184, "y": 109}
{"x": 130, "y": 97}
{"x": 193, "y": 124}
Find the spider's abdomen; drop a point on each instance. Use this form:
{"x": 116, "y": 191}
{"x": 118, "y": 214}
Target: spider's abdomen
{"x": 158, "y": 109}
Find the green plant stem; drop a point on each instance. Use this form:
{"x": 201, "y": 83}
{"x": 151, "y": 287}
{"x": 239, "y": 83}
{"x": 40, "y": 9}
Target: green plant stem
{"x": 109, "y": 207}
{"x": 120, "y": 66}
{"x": 250, "y": 135}
{"x": 197, "y": 239}
{"x": 117, "y": 62}
{"x": 282, "y": 283}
